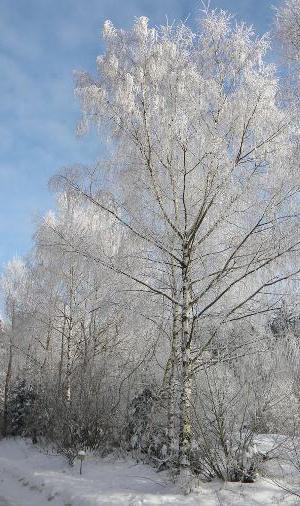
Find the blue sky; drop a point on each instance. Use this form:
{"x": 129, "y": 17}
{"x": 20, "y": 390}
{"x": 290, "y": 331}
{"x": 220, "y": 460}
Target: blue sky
{"x": 41, "y": 43}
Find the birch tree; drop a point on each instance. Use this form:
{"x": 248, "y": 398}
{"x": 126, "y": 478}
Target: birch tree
{"x": 206, "y": 171}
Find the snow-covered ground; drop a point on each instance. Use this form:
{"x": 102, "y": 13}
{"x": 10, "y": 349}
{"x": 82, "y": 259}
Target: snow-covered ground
{"x": 29, "y": 477}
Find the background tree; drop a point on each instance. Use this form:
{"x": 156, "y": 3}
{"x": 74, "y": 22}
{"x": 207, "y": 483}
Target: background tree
{"x": 288, "y": 30}
{"x": 13, "y": 284}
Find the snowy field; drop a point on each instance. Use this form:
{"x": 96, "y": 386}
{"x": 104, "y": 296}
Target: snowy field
{"x": 29, "y": 477}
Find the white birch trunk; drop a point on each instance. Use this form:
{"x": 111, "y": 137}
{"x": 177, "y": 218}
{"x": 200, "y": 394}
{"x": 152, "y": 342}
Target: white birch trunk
{"x": 186, "y": 377}
{"x": 173, "y": 387}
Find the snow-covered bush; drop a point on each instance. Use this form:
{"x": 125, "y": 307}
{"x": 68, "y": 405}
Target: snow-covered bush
{"x": 224, "y": 437}
{"x": 84, "y": 421}
{"x": 145, "y": 431}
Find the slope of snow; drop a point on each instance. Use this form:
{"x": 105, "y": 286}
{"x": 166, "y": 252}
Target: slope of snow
{"x": 29, "y": 477}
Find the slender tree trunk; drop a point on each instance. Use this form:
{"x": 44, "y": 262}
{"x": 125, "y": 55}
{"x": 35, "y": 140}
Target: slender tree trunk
{"x": 86, "y": 355}
{"x": 8, "y": 373}
{"x": 48, "y": 341}
{"x": 185, "y": 410}
{"x": 173, "y": 385}
{"x": 186, "y": 376}
{"x": 69, "y": 337}
{"x": 62, "y": 351}
{"x": 86, "y": 345}
{"x": 6, "y": 389}
{"x": 68, "y": 363}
